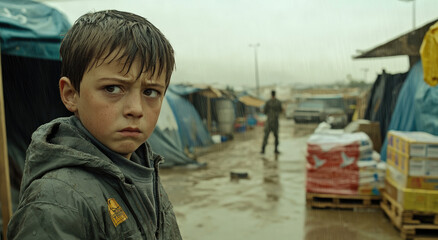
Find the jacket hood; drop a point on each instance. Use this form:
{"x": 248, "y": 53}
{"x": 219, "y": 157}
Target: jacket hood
{"x": 60, "y": 144}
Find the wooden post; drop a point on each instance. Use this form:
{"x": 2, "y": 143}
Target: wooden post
{"x": 209, "y": 115}
{"x": 5, "y": 187}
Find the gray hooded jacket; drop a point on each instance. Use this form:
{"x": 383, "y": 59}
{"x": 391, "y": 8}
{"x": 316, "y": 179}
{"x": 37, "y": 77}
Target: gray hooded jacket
{"x": 71, "y": 190}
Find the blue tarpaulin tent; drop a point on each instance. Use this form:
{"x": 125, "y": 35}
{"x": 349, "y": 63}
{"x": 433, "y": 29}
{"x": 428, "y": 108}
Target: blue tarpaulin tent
{"x": 166, "y": 139}
{"x": 192, "y": 130}
{"x": 30, "y": 34}
{"x": 31, "y": 29}
{"x": 415, "y": 109}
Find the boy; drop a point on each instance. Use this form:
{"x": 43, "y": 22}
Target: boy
{"x": 93, "y": 175}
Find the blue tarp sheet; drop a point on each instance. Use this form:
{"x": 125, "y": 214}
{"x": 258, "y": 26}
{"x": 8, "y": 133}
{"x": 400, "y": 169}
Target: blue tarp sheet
{"x": 31, "y": 29}
{"x": 416, "y": 106}
{"x": 183, "y": 90}
{"x": 164, "y": 145}
{"x": 192, "y": 130}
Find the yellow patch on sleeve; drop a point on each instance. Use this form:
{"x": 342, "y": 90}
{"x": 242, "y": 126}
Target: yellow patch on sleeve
{"x": 116, "y": 212}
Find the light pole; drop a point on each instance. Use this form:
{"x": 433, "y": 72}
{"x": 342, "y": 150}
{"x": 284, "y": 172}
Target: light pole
{"x": 413, "y": 11}
{"x": 255, "y": 46}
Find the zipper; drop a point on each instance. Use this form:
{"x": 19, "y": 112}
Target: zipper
{"x": 157, "y": 161}
{"x": 139, "y": 206}
{"x": 126, "y": 200}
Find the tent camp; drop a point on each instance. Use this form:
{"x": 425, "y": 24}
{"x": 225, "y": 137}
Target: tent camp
{"x": 220, "y": 110}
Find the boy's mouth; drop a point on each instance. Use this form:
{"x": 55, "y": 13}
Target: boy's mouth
{"x": 130, "y": 132}
{"x": 130, "y": 129}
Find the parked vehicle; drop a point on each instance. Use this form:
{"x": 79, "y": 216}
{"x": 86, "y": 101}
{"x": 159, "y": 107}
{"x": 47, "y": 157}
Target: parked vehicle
{"x": 290, "y": 108}
{"x": 318, "y": 111}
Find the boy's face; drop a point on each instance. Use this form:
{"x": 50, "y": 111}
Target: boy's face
{"x": 118, "y": 109}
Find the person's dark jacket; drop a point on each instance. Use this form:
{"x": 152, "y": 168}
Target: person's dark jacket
{"x": 71, "y": 190}
{"x": 272, "y": 110}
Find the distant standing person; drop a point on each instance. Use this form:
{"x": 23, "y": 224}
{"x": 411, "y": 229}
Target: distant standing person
{"x": 272, "y": 110}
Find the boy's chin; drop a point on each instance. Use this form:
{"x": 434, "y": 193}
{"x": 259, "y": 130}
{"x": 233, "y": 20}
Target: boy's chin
{"x": 126, "y": 152}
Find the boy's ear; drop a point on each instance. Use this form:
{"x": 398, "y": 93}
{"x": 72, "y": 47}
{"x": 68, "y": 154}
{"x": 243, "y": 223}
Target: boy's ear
{"x": 69, "y": 95}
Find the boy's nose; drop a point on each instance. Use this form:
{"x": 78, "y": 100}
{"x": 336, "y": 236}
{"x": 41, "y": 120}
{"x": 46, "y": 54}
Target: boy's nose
{"x": 133, "y": 105}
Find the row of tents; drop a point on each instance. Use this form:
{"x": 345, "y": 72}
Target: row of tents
{"x": 30, "y": 36}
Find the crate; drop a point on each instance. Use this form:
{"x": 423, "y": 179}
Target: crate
{"x": 410, "y": 198}
{"x": 414, "y": 144}
{"x": 412, "y": 224}
{"x": 412, "y": 166}
{"x": 319, "y": 200}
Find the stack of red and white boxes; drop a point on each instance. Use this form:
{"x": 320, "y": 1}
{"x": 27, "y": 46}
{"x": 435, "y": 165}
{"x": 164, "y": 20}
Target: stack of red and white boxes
{"x": 334, "y": 164}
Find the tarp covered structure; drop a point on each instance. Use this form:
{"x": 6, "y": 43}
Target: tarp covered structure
{"x": 30, "y": 34}
{"x": 410, "y": 103}
{"x": 202, "y": 97}
{"x": 167, "y": 141}
{"x": 192, "y": 130}
{"x": 383, "y": 98}
{"x": 219, "y": 108}
{"x": 251, "y": 101}
{"x": 31, "y": 29}
{"x": 415, "y": 109}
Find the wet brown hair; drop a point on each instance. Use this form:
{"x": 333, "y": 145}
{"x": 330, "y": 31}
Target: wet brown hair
{"x": 95, "y": 36}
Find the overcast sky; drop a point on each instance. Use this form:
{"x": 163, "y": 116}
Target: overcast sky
{"x": 301, "y": 41}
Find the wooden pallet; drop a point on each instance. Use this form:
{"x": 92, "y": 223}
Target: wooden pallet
{"x": 412, "y": 224}
{"x": 318, "y": 200}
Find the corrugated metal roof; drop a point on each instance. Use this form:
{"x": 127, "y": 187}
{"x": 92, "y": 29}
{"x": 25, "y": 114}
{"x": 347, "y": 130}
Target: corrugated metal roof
{"x": 406, "y": 44}
{"x": 251, "y": 101}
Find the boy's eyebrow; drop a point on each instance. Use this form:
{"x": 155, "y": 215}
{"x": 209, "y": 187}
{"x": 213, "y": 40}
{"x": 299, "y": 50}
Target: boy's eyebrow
{"x": 130, "y": 80}
{"x": 155, "y": 85}
{"x": 121, "y": 80}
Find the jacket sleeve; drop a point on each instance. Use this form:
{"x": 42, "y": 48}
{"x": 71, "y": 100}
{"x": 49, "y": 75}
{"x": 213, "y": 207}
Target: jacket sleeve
{"x": 169, "y": 225}
{"x": 42, "y": 220}
{"x": 50, "y": 209}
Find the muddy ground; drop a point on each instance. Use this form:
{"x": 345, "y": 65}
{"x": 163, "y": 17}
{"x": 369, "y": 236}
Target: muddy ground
{"x": 270, "y": 203}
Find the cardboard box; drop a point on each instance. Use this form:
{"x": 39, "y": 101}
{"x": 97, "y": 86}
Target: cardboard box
{"x": 413, "y": 199}
{"x": 414, "y": 144}
{"x": 422, "y": 182}
{"x": 412, "y": 166}
{"x": 372, "y": 129}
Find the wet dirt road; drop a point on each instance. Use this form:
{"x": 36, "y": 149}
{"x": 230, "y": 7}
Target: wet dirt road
{"x": 271, "y": 203}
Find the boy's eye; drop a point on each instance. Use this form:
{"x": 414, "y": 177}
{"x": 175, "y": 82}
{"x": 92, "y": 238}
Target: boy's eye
{"x": 113, "y": 89}
{"x": 151, "y": 93}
